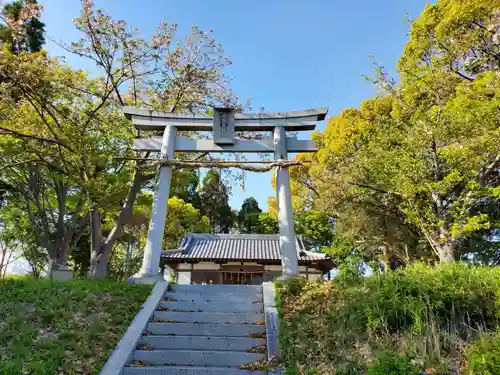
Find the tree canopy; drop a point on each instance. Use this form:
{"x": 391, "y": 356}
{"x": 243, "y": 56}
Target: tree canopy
{"x": 414, "y": 171}
{"x": 215, "y": 203}
{"x": 66, "y": 149}
{"x": 248, "y": 216}
{"x": 20, "y": 26}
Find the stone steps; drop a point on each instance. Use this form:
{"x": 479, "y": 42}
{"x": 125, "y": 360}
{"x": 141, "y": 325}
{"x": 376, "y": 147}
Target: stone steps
{"x": 219, "y": 307}
{"x": 214, "y": 297}
{"x": 201, "y": 342}
{"x": 196, "y": 357}
{"x": 188, "y": 370}
{"x": 217, "y": 289}
{"x": 209, "y": 317}
{"x": 203, "y": 330}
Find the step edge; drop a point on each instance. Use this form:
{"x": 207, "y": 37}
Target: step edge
{"x": 196, "y": 350}
{"x": 221, "y": 324}
{"x": 199, "y": 350}
{"x": 223, "y": 313}
{"x": 217, "y": 294}
{"x": 163, "y": 367}
{"x": 229, "y": 337}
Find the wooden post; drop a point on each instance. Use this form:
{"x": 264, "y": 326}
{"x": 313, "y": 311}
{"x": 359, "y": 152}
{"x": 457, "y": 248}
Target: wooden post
{"x": 288, "y": 244}
{"x": 152, "y": 250}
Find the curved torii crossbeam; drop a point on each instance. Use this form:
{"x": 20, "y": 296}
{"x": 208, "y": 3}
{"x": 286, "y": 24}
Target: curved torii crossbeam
{"x": 223, "y": 123}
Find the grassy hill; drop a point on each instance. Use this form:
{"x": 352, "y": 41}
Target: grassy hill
{"x": 49, "y": 328}
{"x": 419, "y": 320}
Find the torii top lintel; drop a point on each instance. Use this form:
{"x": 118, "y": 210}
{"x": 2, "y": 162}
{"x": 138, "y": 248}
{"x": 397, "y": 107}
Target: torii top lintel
{"x": 144, "y": 119}
{"x": 224, "y": 123}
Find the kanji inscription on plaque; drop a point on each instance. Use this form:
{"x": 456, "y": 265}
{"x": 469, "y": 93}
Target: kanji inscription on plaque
{"x": 223, "y": 126}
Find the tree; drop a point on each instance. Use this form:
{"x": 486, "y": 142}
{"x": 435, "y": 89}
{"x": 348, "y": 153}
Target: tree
{"x": 186, "y": 76}
{"x": 56, "y": 143}
{"x": 462, "y": 37}
{"x": 7, "y": 251}
{"x": 17, "y": 238}
{"x": 266, "y": 224}
{"x": 215, "y": 203}
{"x": 248, "y": 216}
{"x": 315, "y": 227}
{"x": 182, "y": 219}
{"x": 60, "y": 151}
{"x": 184, "y": 185}
{"x": 21, "y": 28}
{"x": 414, "y": 171}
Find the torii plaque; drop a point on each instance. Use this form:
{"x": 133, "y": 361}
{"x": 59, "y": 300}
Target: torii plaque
{"x": 223, "y": 126}
{"x": 223, "y": 123}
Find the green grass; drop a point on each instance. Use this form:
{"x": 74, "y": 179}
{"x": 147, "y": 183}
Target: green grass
{"x": 398, "y": 323}
{"x": 52, "y": 328}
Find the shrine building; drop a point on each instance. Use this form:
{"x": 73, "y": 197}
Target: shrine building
{"x": 238, "y": 259}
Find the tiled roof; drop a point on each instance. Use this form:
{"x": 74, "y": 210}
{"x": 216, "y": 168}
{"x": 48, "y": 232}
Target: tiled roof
{"x": 236, "y": 247}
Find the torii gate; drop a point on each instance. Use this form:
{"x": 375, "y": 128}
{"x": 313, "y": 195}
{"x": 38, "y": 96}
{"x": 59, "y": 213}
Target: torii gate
{"x": 223, "y": 123}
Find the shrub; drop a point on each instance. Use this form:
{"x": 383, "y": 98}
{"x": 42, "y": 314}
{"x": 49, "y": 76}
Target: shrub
{"x": 390, "y": 364}
{"x": 421, "y": 312}
{"x": 294, "y": 286}
{"x": 348, "y": 369}
{"x": 483, "y": 356}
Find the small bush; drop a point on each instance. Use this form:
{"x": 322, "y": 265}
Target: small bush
{"x": 483, "y": 356}
{"x": 390, "y": 364}
{"x": 348, "y": 369}
{"x": 430, "y": 314}
{"x": 294, "y": 286}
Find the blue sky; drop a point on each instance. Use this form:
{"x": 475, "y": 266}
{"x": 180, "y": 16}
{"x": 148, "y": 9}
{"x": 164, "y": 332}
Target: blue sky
{"x": 287, "y": 55}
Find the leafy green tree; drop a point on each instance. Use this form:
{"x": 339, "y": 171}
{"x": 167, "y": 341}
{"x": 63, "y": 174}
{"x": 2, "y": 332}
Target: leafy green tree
{"x": 182, "y": 219}
{"x": 20, "y": 27}
{"x": 315, "y": 227}
{"x": 266, "y": 224}
{"x": 65, "y": 145}
{"x": 414, "y": 171}
{"x": 215, "y": 203}
{"x": 185, "y": 186}
{"x": 248, "y": 216}
{"x": 462, "y": 37}
{"x": 17, "y": 238}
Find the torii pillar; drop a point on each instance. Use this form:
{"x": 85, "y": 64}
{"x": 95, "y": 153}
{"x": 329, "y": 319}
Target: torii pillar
{"x": 154, "y": 243}
{"x": 288, "y": 241}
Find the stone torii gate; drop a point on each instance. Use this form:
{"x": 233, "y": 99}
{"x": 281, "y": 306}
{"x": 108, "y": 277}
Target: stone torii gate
{"x": 223, "y": 123}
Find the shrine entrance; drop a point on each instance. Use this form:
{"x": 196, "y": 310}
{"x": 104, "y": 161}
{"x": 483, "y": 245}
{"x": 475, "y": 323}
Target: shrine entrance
{"x": 242, "y": 278}
{"x": 242, "y": 274}
{"x": 224, "y": 123}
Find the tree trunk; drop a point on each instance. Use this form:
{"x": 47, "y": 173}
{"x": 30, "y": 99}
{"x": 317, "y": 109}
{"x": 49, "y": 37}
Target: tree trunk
{"x": 3, "y": 263}
{"x": 446, "y": 247}
{"x": 58, "y": 266}
{"x": 446, "y": 252}
{"x": 127, "y": 257}
{"x": 96, "y": 270}
{"x": 100, "y": 251}
{"x": 444, "y": 243}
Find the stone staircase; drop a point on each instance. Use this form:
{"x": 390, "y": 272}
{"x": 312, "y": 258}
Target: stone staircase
{"x": 203, "y": 330}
